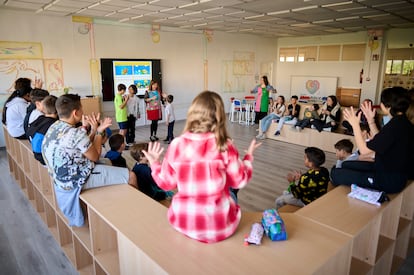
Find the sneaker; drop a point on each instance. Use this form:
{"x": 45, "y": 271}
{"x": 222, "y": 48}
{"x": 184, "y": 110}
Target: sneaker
{"x": 156, "y": 138}
{"x": 262, "y": 136}
{"x": 152, "y": 138}
{"x": 298, "y": 128}
{"x": 165, "y": 139}
{"x": 259, "y": 135}
{"x": 277, "y": 133}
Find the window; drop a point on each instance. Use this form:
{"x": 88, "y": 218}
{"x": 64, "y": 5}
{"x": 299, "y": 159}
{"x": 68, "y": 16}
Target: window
{"x": 408, "y": 67}
{"x": 287, "y": 54}
{"x": 393, "y": 67}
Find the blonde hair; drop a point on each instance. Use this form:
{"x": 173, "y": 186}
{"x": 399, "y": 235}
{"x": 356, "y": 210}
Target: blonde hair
{"x": 206, "y": 114}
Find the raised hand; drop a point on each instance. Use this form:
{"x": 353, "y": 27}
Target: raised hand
{"x": 252, "y": 147}
{"x": 368, "y": 111}
{"x": 154, "y": 152}
{"x": 105, "y": 123}
{"x": 351, "y": 117}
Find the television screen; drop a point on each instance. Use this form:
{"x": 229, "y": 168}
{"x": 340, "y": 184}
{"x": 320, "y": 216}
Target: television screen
{"x": 128, "y": 71}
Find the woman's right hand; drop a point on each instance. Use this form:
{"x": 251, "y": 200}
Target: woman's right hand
{"x": 368, "y": 111}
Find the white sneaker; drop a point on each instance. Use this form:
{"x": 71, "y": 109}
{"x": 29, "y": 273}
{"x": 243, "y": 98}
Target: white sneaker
{"x": 262, "y": 136}
{"x": 259, "y": 136}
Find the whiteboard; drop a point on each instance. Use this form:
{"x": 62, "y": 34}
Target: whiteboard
{"x": 313, "y": 86}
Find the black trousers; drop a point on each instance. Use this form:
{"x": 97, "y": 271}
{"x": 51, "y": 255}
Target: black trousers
{"x": 356, "y": 172}
{"x": 130, "y": 136}
{"x": 154, "y": 127}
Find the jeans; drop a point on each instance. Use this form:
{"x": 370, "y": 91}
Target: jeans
{"x": 170, "y": 134}
{"x": 267, "y": 121}
{"x": 286, "y": 120}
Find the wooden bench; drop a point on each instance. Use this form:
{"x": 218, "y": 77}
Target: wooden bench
{"x": 128, "y": 233}
{"x": 308, "y": 137}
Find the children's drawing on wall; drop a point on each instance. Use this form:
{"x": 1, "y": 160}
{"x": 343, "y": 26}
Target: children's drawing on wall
{"x": 53, "y": 74}
{"x": 232, "y": 83}
{"x": 10, "y": 70}
{"x": 20, "y": 50}
{"x": 243, "y": 63}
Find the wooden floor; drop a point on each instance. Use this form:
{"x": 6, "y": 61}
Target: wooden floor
{"x": 272, "y": 161}
{"x": 27, "y": 247}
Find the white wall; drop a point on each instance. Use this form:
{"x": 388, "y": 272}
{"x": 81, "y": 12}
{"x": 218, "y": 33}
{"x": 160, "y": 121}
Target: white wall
{"x": 182, "y": 53}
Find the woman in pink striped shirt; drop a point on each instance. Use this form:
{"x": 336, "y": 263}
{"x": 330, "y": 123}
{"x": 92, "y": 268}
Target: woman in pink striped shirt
{"x": 204, "y": 166}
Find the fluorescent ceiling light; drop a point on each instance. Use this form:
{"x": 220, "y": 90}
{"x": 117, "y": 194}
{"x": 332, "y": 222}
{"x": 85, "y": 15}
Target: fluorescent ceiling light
{"x": 48, "y": 6}
{"x": 176, "y": 16}
{"x": 136, "y": 17}
{"x": 188, "y": 5}
{"x": 337, "y": 4}
{"x": 347, "y": 18}
{"x": 196, "y": 19}
{"x": 160, "y": 20}
{"x": 254, "y": 16}
{"x": 323, "y": 21}
{"x": 81, "y": 10}
{"x": 199, "y": 25}
{"x": 245, "y": 30}
{"x": 301, "y": 25}
{"x": 153, "y": 1}
{"x": 151, "y": 13}
{"x": 278, "y": 12}
{"x": 124, "y": 19}
{"x": 139, "y": 5}
{"x": 204, "y": 1}
{"x": 192, "y": 13}
{"x": 125, "y": 9}
{"x": 213, "y": 9}
{"x": 186, "y": 26}
{"x": 214, "y": 16}
{"x": 169, "y": 9}
{"x": 376, "y": 15}
{"x": 306, "y": 8}
{"x": 111, "y": 13}
{"x": 236, "y": 12}
{"x": 94, "y": 5}
{"x": 215, "y": 22}
{"x": 105, "y": 1}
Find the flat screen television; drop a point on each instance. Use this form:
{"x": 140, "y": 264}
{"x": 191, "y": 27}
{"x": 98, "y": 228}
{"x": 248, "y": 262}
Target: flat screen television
{"x": 128, "y": 71}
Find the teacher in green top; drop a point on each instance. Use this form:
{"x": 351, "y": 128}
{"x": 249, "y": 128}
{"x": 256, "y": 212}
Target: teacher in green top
{"x": 262, "y": 101}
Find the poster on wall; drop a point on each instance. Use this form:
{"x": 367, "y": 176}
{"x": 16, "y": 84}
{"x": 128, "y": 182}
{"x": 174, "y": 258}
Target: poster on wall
{"x": 136, "y": 72}
{"x": 313, "y": 88}
{"x": 233, "y": 83}
{"x": 53, "y": 74}
{"x": 20, "y": 50}
{"x": 10, "y": 70}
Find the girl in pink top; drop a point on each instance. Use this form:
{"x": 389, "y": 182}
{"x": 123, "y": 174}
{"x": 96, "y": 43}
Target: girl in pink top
{"x": 203, "y": 164}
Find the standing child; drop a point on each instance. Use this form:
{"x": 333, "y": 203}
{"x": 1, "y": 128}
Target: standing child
{"x": 169, "y": 118}
{"x": 133, "y": 113}
{"x": 203, "y": 164}
{"x": 309, "y": 115}
{"x": 121, "y": 111}
{"x": 37, "y": 129}
{"x": 311, "y": 185}
{"x": 117, "y": 144}
{"x": 141, "y": 169}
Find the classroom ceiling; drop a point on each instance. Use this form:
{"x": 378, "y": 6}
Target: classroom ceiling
{"x": 272, "y": 18}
